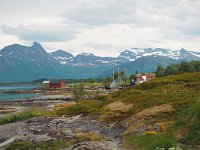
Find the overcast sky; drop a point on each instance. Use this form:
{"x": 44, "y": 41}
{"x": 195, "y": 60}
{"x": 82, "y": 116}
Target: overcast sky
{"x": 103, "y": 27}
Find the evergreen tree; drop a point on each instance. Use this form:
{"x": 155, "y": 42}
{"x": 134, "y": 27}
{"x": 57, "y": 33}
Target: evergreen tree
{"x": 186, "y": 67}
{"x": 172, "y": 70}
{"x": 160, "y": 71}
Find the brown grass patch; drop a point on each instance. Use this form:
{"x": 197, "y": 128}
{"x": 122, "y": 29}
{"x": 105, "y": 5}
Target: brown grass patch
{"x": 89, "y": 136}
{"x": 118, "y": 106}
{"x": 165, "y": 125}
{"x": 153, "y": 111}
{"x": 115, "y": 110}
{"x": 148, "y": 113}
{"x": 64, "y": 105}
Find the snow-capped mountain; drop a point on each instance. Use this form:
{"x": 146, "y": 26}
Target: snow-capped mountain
{"x": 83, "y": 59}
{"x": 135, "y": 53}
{"x": 17, "y": 53}
{"x": 62, "y": 56}
{"x": 26, "y": 63}
{"x": 195, "y": 53}
{"x": 89, "y": 59}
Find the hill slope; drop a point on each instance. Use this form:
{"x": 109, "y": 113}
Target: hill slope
{"x": 143, "y": 64}
{"x": 163, "y": 112}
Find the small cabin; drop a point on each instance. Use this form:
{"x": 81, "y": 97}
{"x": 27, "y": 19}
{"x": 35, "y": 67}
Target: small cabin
{"x": 56, "y": 84}
{"x": 140, "y": 78}
{"x": 45, "y": 83}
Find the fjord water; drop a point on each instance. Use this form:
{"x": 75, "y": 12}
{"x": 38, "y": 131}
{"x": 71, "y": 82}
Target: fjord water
{"x": 8, "y": 96}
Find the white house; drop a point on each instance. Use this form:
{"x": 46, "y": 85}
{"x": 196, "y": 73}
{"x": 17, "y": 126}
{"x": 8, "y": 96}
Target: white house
{"x": 45, "y": 83}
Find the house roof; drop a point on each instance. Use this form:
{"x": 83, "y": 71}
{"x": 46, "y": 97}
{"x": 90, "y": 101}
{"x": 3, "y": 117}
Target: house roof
{"x": 55, "y": 81}
{"x": 45, "y": 82}
{"x": 150, "y": 75}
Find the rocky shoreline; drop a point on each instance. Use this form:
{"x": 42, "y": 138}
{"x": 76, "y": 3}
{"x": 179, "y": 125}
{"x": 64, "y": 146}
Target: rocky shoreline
{"x": 62, "y": 128}
{"x": 56, "y": 128}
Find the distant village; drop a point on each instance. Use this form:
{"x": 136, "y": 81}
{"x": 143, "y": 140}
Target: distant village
{"x": 115, "y": 83}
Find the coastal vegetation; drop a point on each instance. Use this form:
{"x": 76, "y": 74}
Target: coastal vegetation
{"x": 171, "y": 101}
{"x": 161, "y": 113}
{"x": 18, "y": 117}
{"x": 24, "y": 115}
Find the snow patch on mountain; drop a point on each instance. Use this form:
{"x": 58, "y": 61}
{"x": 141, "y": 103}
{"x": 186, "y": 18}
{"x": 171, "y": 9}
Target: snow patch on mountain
{"x": 62, "y": 56}
{"x": 195, "y": 53}
{"x": 89, "y": 59}
{"x": 63, "y": 60}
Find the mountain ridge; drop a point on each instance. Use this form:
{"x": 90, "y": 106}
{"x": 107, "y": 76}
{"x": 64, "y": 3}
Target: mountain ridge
{"x": 135, "y": 53}
{"x": 20, "y": 63}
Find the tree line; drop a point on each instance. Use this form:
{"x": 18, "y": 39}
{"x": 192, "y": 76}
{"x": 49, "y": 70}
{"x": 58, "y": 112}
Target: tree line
{"x": 174, "y": 69}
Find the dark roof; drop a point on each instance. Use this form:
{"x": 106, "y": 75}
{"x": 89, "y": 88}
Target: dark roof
{"x": 55, "y": 81}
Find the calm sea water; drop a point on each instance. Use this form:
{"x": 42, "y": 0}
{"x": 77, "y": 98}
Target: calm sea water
{"x": 5, "y": 96}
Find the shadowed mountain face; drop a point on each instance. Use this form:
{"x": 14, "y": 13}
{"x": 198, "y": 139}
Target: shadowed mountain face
{"x": 22, "y": 63}
{"x": 18, "y": 53}
{"x": 142, "y": 64}
{"x": 27, "y": 63}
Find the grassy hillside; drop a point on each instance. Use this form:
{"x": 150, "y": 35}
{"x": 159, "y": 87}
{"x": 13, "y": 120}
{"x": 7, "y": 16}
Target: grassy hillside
{"x": 161, "y": 113}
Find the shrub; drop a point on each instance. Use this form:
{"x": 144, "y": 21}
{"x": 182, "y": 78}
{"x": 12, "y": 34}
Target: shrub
{"x": 73, "y": 110}
{"x": 18, "y": 117}
{"x": 78, "y": 92}
{"x": 101, "y": 98}
{"x": 149, "y": 142}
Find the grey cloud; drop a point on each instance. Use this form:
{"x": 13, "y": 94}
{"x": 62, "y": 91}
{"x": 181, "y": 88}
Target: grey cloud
{"x": 175, "y": 20}
{"x": 102, "y": 12}
{"x": 107, "y": 46}
{"x": 41, "y": 33}
{"x": 195, "y": 31}
{"x": 142, "y": 13}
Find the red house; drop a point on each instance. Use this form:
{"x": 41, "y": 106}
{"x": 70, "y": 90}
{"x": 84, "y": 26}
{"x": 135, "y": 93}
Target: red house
{"x": 150, "y": 76}
{"x": 56, "y": 84}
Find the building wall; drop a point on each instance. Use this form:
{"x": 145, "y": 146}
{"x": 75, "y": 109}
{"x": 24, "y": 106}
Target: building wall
{"x": 62, "y": 84}
{"x": 45, "y": 84}
{"x": 57, "y": 85}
